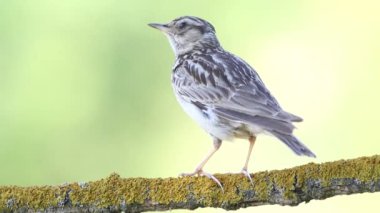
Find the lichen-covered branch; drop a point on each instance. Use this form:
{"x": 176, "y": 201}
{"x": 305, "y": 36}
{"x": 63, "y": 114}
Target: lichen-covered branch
{"x": 283, "y": 187}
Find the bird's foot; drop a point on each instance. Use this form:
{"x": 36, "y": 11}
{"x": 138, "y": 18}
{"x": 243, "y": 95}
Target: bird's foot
{"x": 246, "y": 173}
{"x": 200, "y": 172}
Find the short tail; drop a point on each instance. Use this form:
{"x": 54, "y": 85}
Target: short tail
{"x": 294, "y": 144}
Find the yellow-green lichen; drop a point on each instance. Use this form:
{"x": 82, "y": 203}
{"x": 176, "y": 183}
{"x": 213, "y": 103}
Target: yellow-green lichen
{"x": 362, "y": 169}
{"x": 117, "y": 192}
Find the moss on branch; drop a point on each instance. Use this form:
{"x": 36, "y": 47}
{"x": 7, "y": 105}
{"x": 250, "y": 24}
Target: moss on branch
{"x": 283, "y": 187}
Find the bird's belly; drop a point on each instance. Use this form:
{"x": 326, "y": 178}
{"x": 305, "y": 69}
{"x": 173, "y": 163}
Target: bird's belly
{"x": 208, "y": 121}
{"x": 218, "y": 127}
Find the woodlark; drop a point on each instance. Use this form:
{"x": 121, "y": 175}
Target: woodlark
{"x": 222, "y": 92}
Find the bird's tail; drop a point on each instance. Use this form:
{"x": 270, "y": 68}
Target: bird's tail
{"x": 294, "y": 144}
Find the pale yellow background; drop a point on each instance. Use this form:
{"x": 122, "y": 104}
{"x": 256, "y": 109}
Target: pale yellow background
{"x": 85, "y": 88}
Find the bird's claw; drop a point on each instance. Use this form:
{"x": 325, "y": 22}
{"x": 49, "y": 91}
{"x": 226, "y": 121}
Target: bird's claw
{"x": 202, "y": 173}
{"x": 246, "y": 173}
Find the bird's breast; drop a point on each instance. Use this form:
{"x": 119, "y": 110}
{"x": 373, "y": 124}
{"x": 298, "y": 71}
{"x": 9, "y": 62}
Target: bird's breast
{"x": 206, "y": 119}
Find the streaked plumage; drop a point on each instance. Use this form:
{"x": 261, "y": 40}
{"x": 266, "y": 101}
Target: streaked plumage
{"x": 221, "y": 91}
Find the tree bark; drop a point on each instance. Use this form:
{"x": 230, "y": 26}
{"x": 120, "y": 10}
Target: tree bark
{"x": 283, "y": 187}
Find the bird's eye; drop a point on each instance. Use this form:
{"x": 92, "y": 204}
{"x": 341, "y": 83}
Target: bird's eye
{"x": 182, "y": 25}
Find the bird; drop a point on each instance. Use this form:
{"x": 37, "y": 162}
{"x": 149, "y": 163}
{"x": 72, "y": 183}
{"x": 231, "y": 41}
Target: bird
{"x": 223, "y": 93}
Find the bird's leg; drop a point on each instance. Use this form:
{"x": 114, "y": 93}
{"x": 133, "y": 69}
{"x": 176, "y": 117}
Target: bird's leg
{"x": 199, "y": 170}
{"x": 251, "y": 140}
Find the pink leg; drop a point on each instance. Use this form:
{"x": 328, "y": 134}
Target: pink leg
{"x": 199, "y": 170}
{"x": 251, "y": 140}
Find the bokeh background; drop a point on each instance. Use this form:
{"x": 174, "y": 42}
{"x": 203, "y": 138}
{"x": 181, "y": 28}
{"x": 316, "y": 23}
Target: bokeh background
{"x": 85, "y": 88}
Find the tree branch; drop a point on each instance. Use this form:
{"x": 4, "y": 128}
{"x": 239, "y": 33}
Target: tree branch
{"x": 283, "y": 187}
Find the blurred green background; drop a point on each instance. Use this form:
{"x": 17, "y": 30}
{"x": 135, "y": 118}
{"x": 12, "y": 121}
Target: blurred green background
{"x": 85, "y": 88}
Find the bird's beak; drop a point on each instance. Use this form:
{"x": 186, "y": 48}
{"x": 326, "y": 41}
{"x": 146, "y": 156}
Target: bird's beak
{"x": 161, "y": 27}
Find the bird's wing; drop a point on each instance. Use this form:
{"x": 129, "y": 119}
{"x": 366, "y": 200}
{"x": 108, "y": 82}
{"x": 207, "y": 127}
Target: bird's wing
{"x": 228, "y": 85}
{"x": 202, "y": 82}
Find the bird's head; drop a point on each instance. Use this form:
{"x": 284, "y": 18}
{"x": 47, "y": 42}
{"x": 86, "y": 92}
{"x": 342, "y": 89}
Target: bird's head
{"x": 188, "y": 33}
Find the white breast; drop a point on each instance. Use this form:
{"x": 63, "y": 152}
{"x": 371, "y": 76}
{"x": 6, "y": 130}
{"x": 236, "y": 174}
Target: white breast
{"x": 211, "y": 124}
